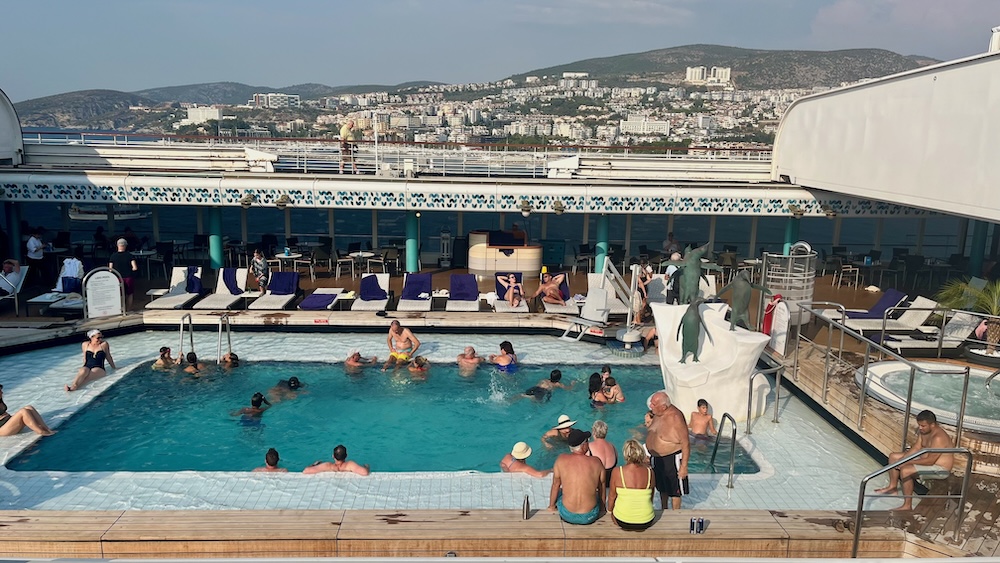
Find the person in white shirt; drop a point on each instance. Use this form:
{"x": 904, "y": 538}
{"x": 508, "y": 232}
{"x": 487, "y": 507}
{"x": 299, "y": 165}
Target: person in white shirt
{"x": 36, "y": 254}
{"x": 9, "y": 277}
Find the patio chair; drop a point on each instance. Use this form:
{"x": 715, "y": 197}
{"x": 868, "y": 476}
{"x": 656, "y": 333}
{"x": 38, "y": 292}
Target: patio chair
{"x": 321, "y": 298}
{"x": 230, "y": 287}
{"x": 164, "y": 255}
{"x": 500, "y": 305}
{"x": 584, "y": 255}
{"x": 949, "y": 340}
{"x": 570, "y": 308}
{"x": 281, "y": 290}
{"x": 185, "y": 287}
{"x": 345, "y": 262}
{"x": 14, "y": 290}
{"x": 891, "y": 298}
{"x": 306, "y": 261}
{"x": 594, "y": 313}
{"x": 416, "y": 293}
{"x": 912, "y": 317}
{"x": 373, "y": 294}
{"x": 463, "y": 293}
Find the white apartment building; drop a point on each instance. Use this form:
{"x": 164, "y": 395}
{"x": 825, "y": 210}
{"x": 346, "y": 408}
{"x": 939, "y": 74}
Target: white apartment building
{"x": 642, "y": 125}
{"x": 576, "y": 75}
{"x": 275, "y": 100}
{"x": 696, "y": 74}
{"x": 720, "y": 74}
{"x": 201, "y": 115}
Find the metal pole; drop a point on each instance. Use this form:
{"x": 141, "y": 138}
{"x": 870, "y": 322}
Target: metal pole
{"x": 864, "y": 386}
{"x": 909, "y": 404}
{"x": 961, "y": 410}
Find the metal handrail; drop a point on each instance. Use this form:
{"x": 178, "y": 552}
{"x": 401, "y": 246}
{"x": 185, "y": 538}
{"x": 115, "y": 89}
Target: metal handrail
{"x": 862, "y": 494}
{"x": 990, "y": 379}
{"x": 732, "y": 449}
{"x": 180, "y": 347}
{"x": 754, "y": 374}
{"x": 224, "y": 320}
{"x": 869, "y": 345}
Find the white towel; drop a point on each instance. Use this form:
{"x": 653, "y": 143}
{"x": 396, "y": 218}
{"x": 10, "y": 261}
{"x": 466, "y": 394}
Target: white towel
{"x": 71, "y": 268}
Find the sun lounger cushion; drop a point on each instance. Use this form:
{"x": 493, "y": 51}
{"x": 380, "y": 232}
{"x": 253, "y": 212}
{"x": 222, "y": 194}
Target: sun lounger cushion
{"x": 229, "y": 278}
{"x": 463, "y": 287}
{"x": 193, "y": 283}
{"x": 319, "y": 300}
{"x": 283, "y": 283}
{"x": 890, "y": 298}
{"x": 371, "y": 290}
{"x": 417, "y": 286}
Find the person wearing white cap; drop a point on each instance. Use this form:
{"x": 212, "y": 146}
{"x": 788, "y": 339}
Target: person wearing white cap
{"x": 560, "y": 431}
{"x": 514, "y": 461}
{"x": 95, "y": 352}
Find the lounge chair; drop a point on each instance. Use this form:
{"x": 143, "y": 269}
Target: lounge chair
{"x": 463, "y": 293}
{"x": 570, "y": 308}
{"x": 230, "y": 287}
{"x": 13, "y": 291}
{"x": 594, "y": 313}
{"x": 615, "y": 304}
{"x": 416, "y": 294}
{"x": 891, "y": 298}
{"x": 501, "y": 305}
{"x": 281, "y": 290}
{"x": 185, "y": 287}
{"x": 913, "y": 316}
{"x": 322, "y": 298}
{"x": 374, "y": 293}
{"x": 955, "y": 333}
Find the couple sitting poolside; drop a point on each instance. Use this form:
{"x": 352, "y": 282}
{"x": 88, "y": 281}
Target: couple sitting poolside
{"x": 548, "y": 289}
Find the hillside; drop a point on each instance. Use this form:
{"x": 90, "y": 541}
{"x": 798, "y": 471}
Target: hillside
{"x": 752, "y": 68}
{"x": 85, "y": 109}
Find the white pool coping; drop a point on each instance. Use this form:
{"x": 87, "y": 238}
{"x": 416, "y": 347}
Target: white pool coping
{"x": 805, "y": 463}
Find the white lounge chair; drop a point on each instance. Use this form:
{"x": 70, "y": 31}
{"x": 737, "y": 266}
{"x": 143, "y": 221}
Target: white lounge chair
{"x": 593, "y": 313}
{"x": 570, "y": 307}
{"x": 281, "y": 290}
{"x": 955, "y": 333}
{"x": 223, "y": 298}
{"x": 14, "y": 290}
{"x": 177, "y": 296}
{"x": 321, "y": 298}
{"x": 500, "y": 305}
{"x": 378, "y": 304}
{"x": 615, "y": 304}
{"x": 415, "y": 286}
{"x": 915, "y": 315}
{"x": 463, "y": 293}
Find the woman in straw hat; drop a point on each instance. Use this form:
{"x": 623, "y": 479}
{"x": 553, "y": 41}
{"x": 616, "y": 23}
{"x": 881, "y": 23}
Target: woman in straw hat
{"x": 514, "y": 461}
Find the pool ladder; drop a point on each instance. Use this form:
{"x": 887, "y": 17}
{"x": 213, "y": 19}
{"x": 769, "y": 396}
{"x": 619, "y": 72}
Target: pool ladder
{"x": 990, "y": 379}
{"x": 732, "y": 447}
{"x": 224, "y": 322}
{"x": 190, "y": 332}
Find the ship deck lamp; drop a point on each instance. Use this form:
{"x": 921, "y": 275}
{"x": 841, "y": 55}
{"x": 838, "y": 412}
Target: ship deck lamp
{"x": 525, "y": 208}
{"x": 796, "y": 211}
{"x": 247, "y": 200}
{"x": 283, "y": 201}
{"x": 558, "y": 207}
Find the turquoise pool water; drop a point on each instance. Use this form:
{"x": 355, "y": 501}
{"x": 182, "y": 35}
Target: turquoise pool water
{"x": 168, "y": 421}
{"x": 942, "y": 392}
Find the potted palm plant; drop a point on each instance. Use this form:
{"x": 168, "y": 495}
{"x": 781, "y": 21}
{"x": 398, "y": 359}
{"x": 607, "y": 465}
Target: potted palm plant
{"x": 963, "y": 294}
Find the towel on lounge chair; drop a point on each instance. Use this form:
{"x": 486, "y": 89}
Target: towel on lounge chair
{"x": 283, "y": 283}
{"x": 417, "y": 286}
{"x": 891, "y": 298}
{"x": 318, "y": 301}
{"x": 229, "y": 278}
{"x": 193, "y": 284}
{"x": 70, "y": 285}
{"x": 371, "y": 290}
{"x": 464, "y": 288}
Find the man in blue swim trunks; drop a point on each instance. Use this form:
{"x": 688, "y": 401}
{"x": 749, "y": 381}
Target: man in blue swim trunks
{"x": 577, "y": 482}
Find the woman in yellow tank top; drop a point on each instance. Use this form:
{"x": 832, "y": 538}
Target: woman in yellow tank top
{"x": 631, "y": 507}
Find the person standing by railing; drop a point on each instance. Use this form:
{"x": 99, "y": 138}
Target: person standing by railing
{"x": 347, "y": 146}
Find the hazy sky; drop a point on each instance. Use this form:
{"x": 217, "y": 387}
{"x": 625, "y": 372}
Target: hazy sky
{"x": 54, "y": 46}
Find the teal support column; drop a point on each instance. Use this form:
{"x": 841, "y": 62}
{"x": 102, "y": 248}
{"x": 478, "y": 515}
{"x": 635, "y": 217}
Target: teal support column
{"x": 215, "y": 238}
{"x": 978, "y": 250}
{"x": 12, "y": 212}
{"x": 601, "y": 242}
{"x": 412, "y": 242}
{"x": 791, "y": 233}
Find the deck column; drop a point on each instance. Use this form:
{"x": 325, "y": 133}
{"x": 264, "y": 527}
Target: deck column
{"x": 215, "y": 237}
{"x": 412, "y": 242}
{"x": 791, "y": 233}
{"x": 12, "y": 212}
{"x": 601, "y": 242}
{"x": 978, "y": 248}
{"x": 752, "y": 251}
{"x": 156, "y": 223}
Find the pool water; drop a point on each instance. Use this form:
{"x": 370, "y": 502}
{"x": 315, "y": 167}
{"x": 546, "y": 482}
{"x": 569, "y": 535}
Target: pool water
{"x": 943, "y": 392}
{"x": 155, "y": 420}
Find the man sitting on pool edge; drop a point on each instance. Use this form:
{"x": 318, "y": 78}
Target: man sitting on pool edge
{"x": 403, "y": 346}
{"x": 939, "y": 465}
{"x": 577, "y": 482}
{"x": 340, "y": 464}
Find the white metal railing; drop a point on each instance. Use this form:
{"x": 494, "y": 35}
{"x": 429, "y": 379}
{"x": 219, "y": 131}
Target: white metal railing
{"x": 224, "y": 322}
{"x": 190, "y": 323}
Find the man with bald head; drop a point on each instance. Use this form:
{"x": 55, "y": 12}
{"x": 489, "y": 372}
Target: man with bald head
{"x": 667, "y": 442}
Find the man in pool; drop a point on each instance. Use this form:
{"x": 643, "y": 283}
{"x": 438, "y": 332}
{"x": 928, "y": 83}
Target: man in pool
{"x": 165, "y": 361}
{"x": 558, "y": 432}
{"x": 577, "y": 482}
{"x": 542, "y": 391}
{"x": 403, "y": 346}
{"x": 194, "y": 366}
{"x": 468, "y": 361}
{"x": 285, "y": 389}
{"x": 229, "y": 360}
{"x": 548, "y": 289}
{"x": 256, "y": 408}
{"x": 355, "y": 362}
{"x": 270, "y": 463}
{"x": 938, "y": 465}
{"x": 340, "y": 464}
{"x": 669, "y": 446}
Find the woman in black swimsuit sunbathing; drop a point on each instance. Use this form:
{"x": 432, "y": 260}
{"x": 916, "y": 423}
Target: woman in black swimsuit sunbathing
{"x": 514, "y": 292}
{"x": 95, "y": 352}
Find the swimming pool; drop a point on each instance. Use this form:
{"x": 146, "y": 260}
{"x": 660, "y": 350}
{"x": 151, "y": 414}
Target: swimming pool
{"x": 171, "y": 421}
{"x": 941, "y": 393}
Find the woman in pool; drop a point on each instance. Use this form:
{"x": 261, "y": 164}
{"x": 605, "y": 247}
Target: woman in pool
{"x": 11, "y": 424}
{"x": 165, "y": 361}
{"x": 595, "y": 391}
{"x": 507, "y": 359}
{"x": 260, "y": 270}
{"x": 514, "y": 290}
{"x": 95, "y": 352}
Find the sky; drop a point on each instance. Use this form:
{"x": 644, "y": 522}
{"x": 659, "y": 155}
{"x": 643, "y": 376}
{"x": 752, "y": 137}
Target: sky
{"x": 54, "y": 46}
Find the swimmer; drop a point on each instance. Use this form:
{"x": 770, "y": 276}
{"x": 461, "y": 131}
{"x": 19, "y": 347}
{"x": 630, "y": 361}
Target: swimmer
{"x": 558, "y": 432}
{"x": 270, "y": 463}
{"x": 355, "y": 362}
{"x": 95, "y": 351}
{"x": 542, "y": 391}
{"x": 403, "y": 346}
{"x": 595, "y": 391}
{"x": 194, "y": 366}
{"x": 702, "y": 425}
{"x": 468, "y": 361}
{"x": 506, "y": 359}
{"x": 255, "y": 410}
{"x": 285, "y": 389}
{"x": 419, "y": 365}
{"x": 513, "y": 290}
{"x": 229, "y": 360}
{"x": 612, "y": 391}
{"x": 514, "y": 462}
{"x": 340, "y": 464}
{"x": 11, "y": 424}
{"x": 165, "y": 361}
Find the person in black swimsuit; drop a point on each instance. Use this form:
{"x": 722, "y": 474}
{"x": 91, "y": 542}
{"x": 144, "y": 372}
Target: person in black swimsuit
{"x": 95, "y": 352}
